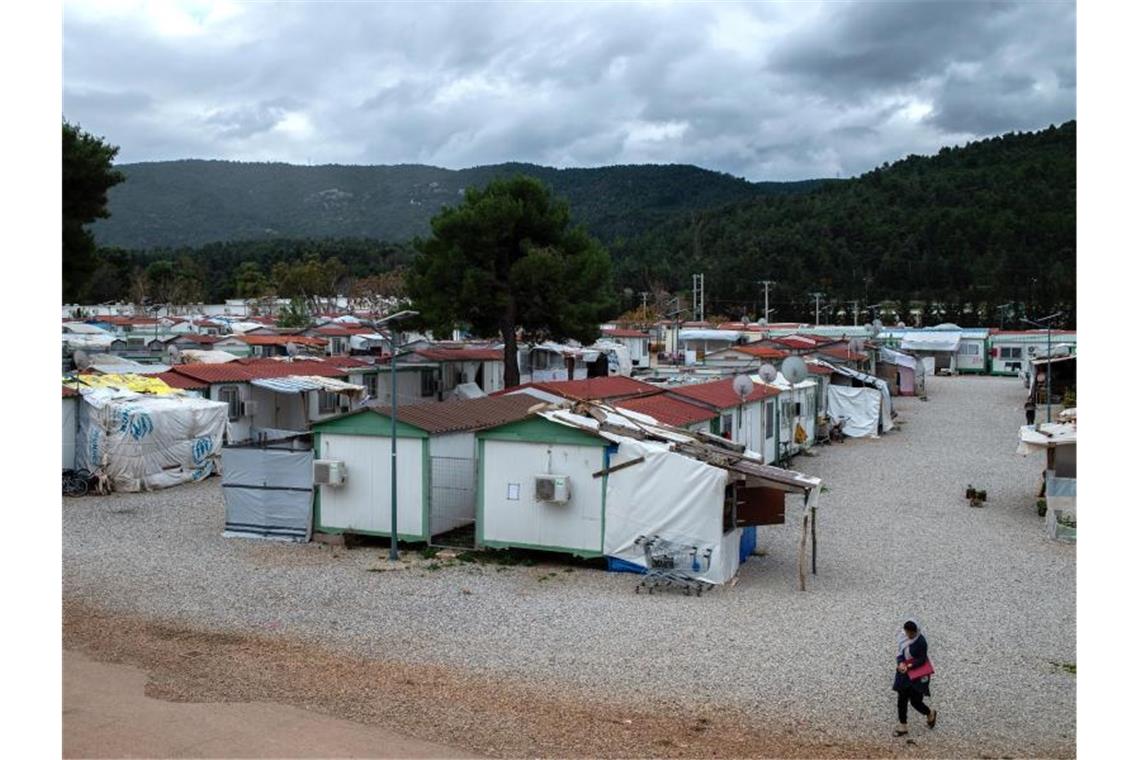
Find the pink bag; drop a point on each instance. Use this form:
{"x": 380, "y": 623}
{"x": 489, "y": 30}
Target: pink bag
{"x": 923, "y": 670}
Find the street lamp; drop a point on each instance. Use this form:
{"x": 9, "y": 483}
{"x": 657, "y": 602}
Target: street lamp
{"x": 1048, "y": 359}
{"x": 393, "y": 550}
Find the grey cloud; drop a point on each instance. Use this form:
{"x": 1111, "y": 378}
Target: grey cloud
{"x": 761, "y": 90}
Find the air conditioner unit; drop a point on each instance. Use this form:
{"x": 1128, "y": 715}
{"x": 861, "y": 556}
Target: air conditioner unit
{"x": 329, "y": 472}
{"x": 552, "y": 488}
{"x": 248, "y": 408}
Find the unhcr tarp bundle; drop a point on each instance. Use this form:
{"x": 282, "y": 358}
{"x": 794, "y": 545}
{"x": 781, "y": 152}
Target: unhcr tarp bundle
{"x": 134, "y": 442}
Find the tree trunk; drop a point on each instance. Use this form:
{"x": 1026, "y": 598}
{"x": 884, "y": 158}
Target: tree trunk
{"x": 510, "y": 348}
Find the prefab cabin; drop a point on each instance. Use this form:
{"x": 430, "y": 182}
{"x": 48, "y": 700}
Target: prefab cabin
{"x": 740, "y": 420}
{"x": 1011, "y": 351}
{"x": 566, "y": 482}
{"x": 436, "y": 456}
{"x": 636, "y": 341}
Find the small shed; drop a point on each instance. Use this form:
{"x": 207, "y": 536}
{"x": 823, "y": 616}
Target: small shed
{"x": 436, "y": 455}
{"x": 268, "y": 489}
{"x": 905, "y": 374}
{"x": 595, "y": 481}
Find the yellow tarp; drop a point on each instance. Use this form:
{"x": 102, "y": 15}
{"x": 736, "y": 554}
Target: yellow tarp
{"x": 136, "y": 383}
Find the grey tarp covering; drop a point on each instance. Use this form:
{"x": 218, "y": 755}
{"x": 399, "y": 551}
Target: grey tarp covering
{"x": 268, "y": 492}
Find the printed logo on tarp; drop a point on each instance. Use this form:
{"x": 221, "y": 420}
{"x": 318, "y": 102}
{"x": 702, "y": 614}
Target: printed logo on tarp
{"x": 134, "y": 421}
{"x": 201, "y": 450}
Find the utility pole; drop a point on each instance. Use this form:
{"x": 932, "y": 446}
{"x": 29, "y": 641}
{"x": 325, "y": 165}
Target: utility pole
{"x": 855, "y": 307}
{"x": 1001, "y": 313}
{"x": 817, "y": 295}
{"x": 644, "y": 307}
{"x": 766, "y": 284}
{"x": 1048, "y": 325}
{"x": 699, "y": 297}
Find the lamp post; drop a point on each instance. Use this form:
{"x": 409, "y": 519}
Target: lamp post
{"x": 1048, "y": 359}
{"x": 393, "y": 549}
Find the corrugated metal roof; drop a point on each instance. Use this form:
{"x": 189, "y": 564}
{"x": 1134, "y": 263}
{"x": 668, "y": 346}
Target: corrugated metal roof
{"x": 235, "y": 372}
{"x": 668, "y": 410}
{"x": 470, "y": 414}
{"x": 720, "y": 393}
{"x": 290, "y": 384}
{"x": 599, "y": 388}
{"x": 622, "y": 332}
{"x": 281, "y": 340}
{"x": 439, "y": 354}
{"x": 176, "y": 380}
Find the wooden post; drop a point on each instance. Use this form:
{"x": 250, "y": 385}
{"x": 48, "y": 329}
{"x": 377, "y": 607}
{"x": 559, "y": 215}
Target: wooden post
{"x": 813, "y": 541}
{"x": 803, "y": 552}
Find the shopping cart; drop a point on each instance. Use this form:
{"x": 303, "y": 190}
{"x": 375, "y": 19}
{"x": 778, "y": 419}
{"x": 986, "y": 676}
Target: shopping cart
{"x": 669, "y": 564}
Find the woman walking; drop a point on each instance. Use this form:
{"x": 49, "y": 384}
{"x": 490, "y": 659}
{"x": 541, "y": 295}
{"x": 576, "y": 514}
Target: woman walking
{"x": 912, "y": 676}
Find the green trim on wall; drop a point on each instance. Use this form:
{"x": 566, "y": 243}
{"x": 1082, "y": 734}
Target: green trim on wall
{"x": 425, "y": 497}
{"x": 541, "y": 430}
{"x": 368, "y": 422}
{"x": 583, "y": 553}
{"x": 479, "y": 494}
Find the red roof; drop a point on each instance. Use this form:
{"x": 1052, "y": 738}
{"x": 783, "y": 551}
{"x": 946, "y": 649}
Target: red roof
{"x": 465, "y": 414}
{"x": 817, "y": 369}
{"x": 843, "y": 353}
{"x": 668, "y": 410}
{"x": 798, "y": 341}
{"x": 349, "y": 362}
{"x": 68, "y": 391}
{"x": 281, "y": 340}
{"x": 593, "y": 388}
{"x": 720, "y": 393}
{"x": 442, "y": 354}
{"x": 238, "y": 372}
{"x": 761, "y": 352}
{"x": 176, "y": 380}
{"x": 622, "y": 332}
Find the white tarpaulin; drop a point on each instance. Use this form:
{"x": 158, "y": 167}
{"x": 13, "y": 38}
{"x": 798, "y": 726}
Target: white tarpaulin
{"x": 895, "y": 357}
{"x": 143, "y": 443}
{"x": 698, "y": 333}
{"x": 859, "y": 408}
{"x": 931, "y": 341}
{"x": 671, "y": 496}
{"x": 202, "y": 356}
{"x": 885, "y": 407}
{"x": 620, "y": 362}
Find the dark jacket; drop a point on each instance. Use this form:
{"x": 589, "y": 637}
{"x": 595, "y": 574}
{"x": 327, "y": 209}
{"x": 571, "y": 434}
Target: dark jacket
{"x": 918, "y": 655}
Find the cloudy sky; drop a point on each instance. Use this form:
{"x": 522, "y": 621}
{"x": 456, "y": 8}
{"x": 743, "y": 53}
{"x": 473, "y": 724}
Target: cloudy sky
{"x": 770, "y": 91}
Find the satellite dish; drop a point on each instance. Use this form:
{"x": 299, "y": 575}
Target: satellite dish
{"x": 81, "y": 359}
{"x": 794, "y": 369}
{"x": 901, "y": 324}
{"x": 856, "y": 344}
{"x": 175, "y": 355}
{"x": 867, "y": 326}
{"x": 762, "y": 321}
{"x": 767, "y": 373}
{"x": 877, "y": 325}
{"x": 743, "y": 385}
{"x": 291, "y": 348}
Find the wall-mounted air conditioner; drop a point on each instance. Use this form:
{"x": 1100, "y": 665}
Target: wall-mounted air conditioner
{"x": 248, "y": 408}
{"x": 552, "y": 488}
{"x": 329, "y": 472}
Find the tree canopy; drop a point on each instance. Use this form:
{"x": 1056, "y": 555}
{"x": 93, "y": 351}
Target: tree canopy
{"x": 508, "y": 259}
{"x": 87, "y": 175}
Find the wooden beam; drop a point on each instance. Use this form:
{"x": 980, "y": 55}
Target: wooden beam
{"x": 620, "y": 466}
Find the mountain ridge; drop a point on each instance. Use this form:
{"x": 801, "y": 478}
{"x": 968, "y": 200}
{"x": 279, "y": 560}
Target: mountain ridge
{"x": 193, "y": 202}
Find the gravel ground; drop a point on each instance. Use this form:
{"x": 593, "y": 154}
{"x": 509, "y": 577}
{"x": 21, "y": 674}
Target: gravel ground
{"x": 996, "y": 598}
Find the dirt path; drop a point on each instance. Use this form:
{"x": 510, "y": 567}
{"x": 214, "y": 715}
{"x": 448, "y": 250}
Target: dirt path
{"x": 107, "y": 714}
{"x": 288, "y": 690}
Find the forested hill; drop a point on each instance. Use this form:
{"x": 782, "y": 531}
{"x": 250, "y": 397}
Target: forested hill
{"x": 190, "y": 203}
{"x": 971, "y": 227}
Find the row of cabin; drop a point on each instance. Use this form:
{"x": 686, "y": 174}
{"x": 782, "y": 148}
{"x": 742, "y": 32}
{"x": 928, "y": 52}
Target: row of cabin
{"x": 507, "y": 472}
